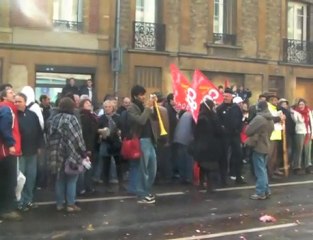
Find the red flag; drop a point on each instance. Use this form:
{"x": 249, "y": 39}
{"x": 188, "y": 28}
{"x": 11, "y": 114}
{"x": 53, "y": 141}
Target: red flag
{"x": 180, "y": 87}
{"x": 189, "y": 97}
{"x": 205, "y": 88}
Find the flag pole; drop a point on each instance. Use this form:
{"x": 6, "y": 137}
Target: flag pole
{"x": 285, "y": 150}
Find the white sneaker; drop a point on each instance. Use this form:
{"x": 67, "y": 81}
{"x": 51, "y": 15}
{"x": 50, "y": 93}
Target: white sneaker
{"x": 146, "y": 200}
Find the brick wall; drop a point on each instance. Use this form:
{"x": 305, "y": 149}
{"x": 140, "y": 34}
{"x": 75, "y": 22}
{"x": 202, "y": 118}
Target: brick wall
{"x": 273, "y": 30}
{"x": 249, "y": 27}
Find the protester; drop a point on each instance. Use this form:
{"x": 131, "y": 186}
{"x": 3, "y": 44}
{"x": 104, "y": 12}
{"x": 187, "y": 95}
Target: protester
{"x": 70, "y": 87}
{"x": 110, "y": 144}
{"x": 164, "y": 166}
{"x": 182, "y": 141}
{"x": 259, "y": 132}
{"x": 89, "y": 90}
{"x": 10, "y": 144}
{"x": 208, "y": 149}
{"x": 142, "y": 118}
{"x": 89, "y": 124}
{"x": 290, "y": 128}
{"x": 172, "y": 121}
{"x": 66, "y": 153}
{"x": 230, "y": 117}
{"x": 32, "y": 105}
{"x": 42, "y": 173}
{"x": 245, "y": 94}
{"x": 253, "y": 108}
{"x": 125, "y": 104}
{"x": 302, "y": 116}
{"x": 32, "y": 141}
{"x": 45, "y": 106}
{"x": 275, "y": 153}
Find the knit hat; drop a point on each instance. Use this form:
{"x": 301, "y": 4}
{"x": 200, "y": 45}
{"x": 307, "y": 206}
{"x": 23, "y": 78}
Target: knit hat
{"x": 262, "y": 106}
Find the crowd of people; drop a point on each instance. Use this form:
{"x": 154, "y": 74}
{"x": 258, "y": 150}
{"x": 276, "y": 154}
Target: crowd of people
{"x": 75, "y": 146}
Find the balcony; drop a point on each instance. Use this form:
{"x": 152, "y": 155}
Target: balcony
{"x": 297, "y": 51}
{"x": 149, "y": 36}
{"x": 62, "y": 25}
{"x": 224, "y": 38}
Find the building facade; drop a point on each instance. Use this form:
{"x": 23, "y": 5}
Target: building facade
{"x": 263, "y": 45}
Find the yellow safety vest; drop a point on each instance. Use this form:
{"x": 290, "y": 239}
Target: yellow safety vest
{"x": 277, "y": 132}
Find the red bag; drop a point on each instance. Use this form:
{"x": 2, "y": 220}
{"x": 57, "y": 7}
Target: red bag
{"x": 131, "y": 148}
{"x": 196, "y": 174}
{"x": 243, "y": 135}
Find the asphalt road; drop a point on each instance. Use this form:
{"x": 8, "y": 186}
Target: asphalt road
{"x": 181, "y": 212}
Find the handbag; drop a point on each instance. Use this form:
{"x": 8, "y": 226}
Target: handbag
{"x": 131, "y": 148}
{"x": 71, "y": 168}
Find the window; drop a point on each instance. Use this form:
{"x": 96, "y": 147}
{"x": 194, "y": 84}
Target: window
{"x": 297, "y": 21}
{"x": 68, "y": 15}
{"x": 296, "y": 47}
{"x": 146, "y": 11}
{"x": 149, "y": 34}
{"x": 224, "y": 21}
{"x": 150, "y": 77}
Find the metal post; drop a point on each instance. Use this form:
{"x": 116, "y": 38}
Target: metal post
{"x": 117, "y": 43}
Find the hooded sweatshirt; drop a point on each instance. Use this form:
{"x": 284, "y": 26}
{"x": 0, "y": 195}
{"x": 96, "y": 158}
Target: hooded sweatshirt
{"x": 261, "y": 128}
{"x": 32, "y": 105}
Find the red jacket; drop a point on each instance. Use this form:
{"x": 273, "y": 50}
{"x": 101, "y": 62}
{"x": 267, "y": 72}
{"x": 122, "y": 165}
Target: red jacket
{"x": 15, "y": 133}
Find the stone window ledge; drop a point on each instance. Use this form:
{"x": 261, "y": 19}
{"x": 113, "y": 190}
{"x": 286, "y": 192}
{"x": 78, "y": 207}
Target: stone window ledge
{"x": 213, "y": 45}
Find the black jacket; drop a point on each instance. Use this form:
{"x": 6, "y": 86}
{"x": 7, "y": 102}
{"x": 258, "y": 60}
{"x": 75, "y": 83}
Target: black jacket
{"x": 230, "y": 117}
{"x": 31, "y": 132}
{"x": 70, "y": 89}
{"x": 208, "y": 143}
{"x": 89, "y": 123}
{"x": 172, "y": 119}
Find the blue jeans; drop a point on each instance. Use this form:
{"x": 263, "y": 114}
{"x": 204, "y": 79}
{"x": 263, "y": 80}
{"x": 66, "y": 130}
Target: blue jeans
{"x": 147, "y": 168}
{"x": 28, "y": 166}
{"x": 133, "y": 175}
{"x": 65, "y": 189}
{"x": 259, "y": 164}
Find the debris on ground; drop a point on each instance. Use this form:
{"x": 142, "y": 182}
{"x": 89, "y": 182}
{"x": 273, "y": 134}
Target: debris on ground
{"x": 90, "y": 228}
{"x": 267, "y": 219}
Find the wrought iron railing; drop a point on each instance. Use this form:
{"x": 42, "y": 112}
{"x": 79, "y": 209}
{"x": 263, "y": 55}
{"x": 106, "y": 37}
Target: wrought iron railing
{"x": 224, "y": 38}
{"x": 297, "y": 51}
{"x": 68, "y": 25}
{"x": 149, "y": 36}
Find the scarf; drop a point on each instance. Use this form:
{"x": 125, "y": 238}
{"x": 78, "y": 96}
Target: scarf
{"x": 111, "y": 123}
{"x": 305, "y": 113}
{"x": 139, "y": 104}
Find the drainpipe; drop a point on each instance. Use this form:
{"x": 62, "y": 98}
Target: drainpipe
{"x": 117, "y": 46}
